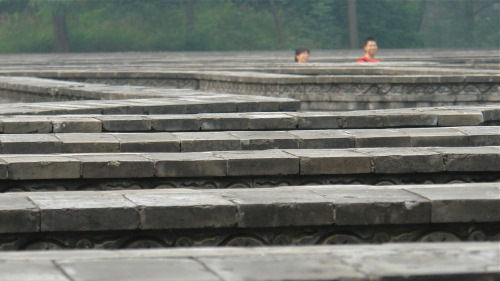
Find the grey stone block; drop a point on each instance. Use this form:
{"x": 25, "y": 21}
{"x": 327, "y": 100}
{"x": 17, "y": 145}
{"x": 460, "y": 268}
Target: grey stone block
{"x": 26, "y": 125}
{"x": 125, "y": 123}
{"x": 318, "y": 120}
{"x": 361, "y": 119}
{"x": 88, "y": 142}
{"x": 270, "y": 121}
{"x": 306, "y": 266}
{"x": 332, "y": 161}
{"x": 456, "y": 203}
{"x": 359, "y": 205}
{"x": 267, "y": 162}
{"x": 207, "y": 141}
{"x": 222, "y": 121}
{"x": 280, "y": 207}
{"x": 84, "y": 211}
{"x": 259, "y": 140}
{"x": 460, "y": 118}
{"x": 188, "y": 164}
{"x": 469, "y": 159}
{"x": 172, "y": 123}
{"x": 75, "y": 125}
{"x": 482, "y": 135}
{"x": 109, "y": 165}
{"x": 405, "y": 160}
{"x": 409, "y": 119}
{"x": 184, "y": 209}
{"x": 3, "y": 170}
{"x": 137, "y": 269}
{"x": 28, "y": 167}
{"x": 313, "y": 139}
{"x": 150, "y": 142}
{"x": 436, "y": 137}
{"x": 31, "y": 271}
{"x": 29, "y": 144}
{"x": 380, "y": 138}
{"x": 18, "y": 214}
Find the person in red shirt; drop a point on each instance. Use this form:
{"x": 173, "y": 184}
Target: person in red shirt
{"x": 371, "y": 48}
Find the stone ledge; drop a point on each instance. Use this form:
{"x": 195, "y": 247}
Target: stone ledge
{"x": 247, "y": 140}
{"x": 246, "y": 208}
{"x": 430, "y": 117}
{"x": 458, "y": 261}
{"x": 256, "y": 163}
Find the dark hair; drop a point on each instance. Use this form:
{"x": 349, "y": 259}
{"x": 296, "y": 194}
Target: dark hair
{"x": 301, "y": 50}
{"x": 368, "y": 39}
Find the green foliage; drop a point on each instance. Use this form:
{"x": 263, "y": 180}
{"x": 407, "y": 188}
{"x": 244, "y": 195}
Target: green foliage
{"x": 162, "y": 25}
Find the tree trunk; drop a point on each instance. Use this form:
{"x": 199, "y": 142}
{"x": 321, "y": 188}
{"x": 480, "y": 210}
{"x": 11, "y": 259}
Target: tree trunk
{"x": 61, "y": 38}
{"x": 277, "y": 22}
{"x": 353, "y": 24}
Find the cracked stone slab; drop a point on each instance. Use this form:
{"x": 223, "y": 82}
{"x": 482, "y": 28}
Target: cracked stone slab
{"x": 187, "y": 164}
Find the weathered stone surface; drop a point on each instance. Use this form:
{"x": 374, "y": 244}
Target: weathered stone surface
{"x": 267, "y": 121}
{"x": 266, "y": 162}
{"x": 361, "y": 205}
{"x": 313, "y": 139}
{"x": 307, "y": 266}
{"x": 462, "y": 203}
{"x": 470, "y": 159}
{"x": 405, "y": 160}
{"x": 332, "y": 161}
{"x": 115, "y": 166}
{"x": 85, "y": 212}
{"x": 27, "y": 144}
{"x": 379, "y": 138}
{"x": 75, "y": 125}
{"x": 209, "y": 141}
{"x": 88, "y": 143}
{"x": 31, "y": 271}
{"x": 172, "y": 123}
{"x": 482, "y": 135}
{"x": 460, "y": 118}
{"x": 183, "y": 209}
{"x": 270, "y": 207}
{"x": 128, "y": 123}
{"x": 29, "y": 167}
{"x": 260, "y": 140}
{"x": 318, "y": 120}
{"x": 18, "y": 214}
{"x": 440, "y": 137}
{"x": 188, "y": 164}
{"x": 152, "y": 142}
{"x": 137, "y": 269}
{"x": 23, "y": 125}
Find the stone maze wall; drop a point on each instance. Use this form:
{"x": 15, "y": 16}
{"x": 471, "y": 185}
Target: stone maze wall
{"x": 220, "y": 152}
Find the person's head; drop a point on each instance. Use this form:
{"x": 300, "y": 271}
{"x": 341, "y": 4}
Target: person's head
{"x": 302, "y": 55}
{"x": 370, "y": 46}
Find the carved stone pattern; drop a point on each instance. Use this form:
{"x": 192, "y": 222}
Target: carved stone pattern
{"x": 248, "y": 182}
{"x": 252, "y": 237}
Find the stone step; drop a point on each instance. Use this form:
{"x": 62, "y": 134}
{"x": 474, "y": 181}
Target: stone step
{"x": 247, "y": 140}
{"x": 277, "y": 162}
{"x": 266, "y": 216}
{"x": 459, "y": 261}
{"x": 94, "y": 123}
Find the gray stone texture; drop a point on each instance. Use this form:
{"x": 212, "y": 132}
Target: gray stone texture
{"x": 151, "y": 142}
{"x": 209, "y": 141}
{"x": 88, "y": 143}
{"x": 115, "y": 166}
{"x": 27, "y": 167}
{"x": 18, "y": 214}
{"x": 471, "y": 159}
{"x": 85, "y": 211}
{"x": 265, "y": 162}
{"x": 332, "y": 161}
{"x": 188, "y": 164}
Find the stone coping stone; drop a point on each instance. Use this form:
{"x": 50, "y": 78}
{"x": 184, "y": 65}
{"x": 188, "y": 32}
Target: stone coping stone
{"x": 210, "y": 103}
{"x": 321, "y": 205}
{"x": 390, "y": 118}
{"x": 247, "y": 140}
{"x": 458, "y": 261}
{"x": 250, "y": 162}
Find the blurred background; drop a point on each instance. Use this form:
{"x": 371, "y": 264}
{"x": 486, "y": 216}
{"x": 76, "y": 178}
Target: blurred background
{"x": 45, "y": 26}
